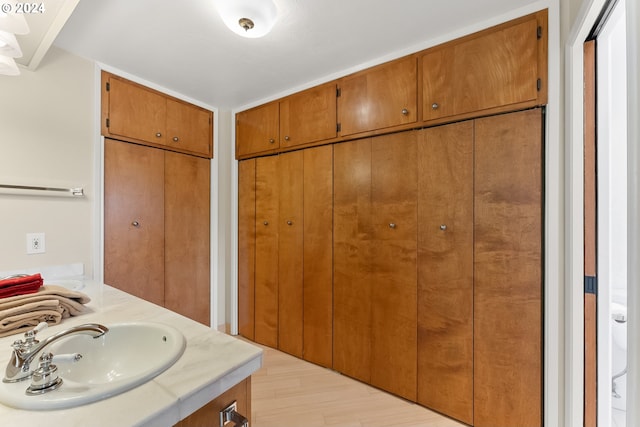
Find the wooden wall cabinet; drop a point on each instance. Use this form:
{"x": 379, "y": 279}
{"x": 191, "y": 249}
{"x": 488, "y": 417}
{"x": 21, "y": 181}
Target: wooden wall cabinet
{"x": 156, "y": 226}
{"x": 380, "y": 97}
{"x": 139, "y": 114}
{"x": 300, "y": 119}
{"x": 499, "y": 69}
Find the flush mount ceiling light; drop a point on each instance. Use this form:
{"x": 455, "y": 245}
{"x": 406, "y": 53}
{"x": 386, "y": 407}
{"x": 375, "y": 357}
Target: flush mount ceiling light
{"x": 248, "y": 18}
{"x": 8, "y": 66}
{"x": 12, "y": 22}
{"x": 9, "y": 45}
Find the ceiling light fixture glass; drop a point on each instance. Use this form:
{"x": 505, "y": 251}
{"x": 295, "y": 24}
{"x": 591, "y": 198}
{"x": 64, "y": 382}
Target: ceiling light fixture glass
{"x": 248, "y": 18}
{"x": 8, "y": 66}
{"x": 12, "y": 22}
{"x": 9, "y": 45}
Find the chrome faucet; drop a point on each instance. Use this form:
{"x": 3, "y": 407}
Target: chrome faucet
{"x": 24, "y": 352}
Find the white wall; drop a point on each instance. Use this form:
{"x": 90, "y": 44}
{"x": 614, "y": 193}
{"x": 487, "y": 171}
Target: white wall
{"x": 48, "y": 137}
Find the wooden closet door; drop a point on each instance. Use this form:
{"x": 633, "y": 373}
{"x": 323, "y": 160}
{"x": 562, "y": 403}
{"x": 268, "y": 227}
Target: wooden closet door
{"x": 246, "y": 247}
{"x": 318, "y": 255}
{"x": 187, "y": 235}
{"x": 290, "y": 258}
{"x": 445, "y": 270}
{"x": 134, "y": 219}
{"x": 508, "y": 270}
{"x": 352, "y": 259}
{"x": 394, "y": 195}
{"x": 266, "y": 273}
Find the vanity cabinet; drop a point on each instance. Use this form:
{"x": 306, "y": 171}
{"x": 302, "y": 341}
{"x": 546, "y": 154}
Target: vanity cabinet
{"x": 379, "y": 97}
{"x": 375, "y": 261}
{"x": 300, "y": 119}
{"x": 209, "y": 414}
{"x": 142, "y": 115}
{"x": 500, "y": 69}
{"x": 156, "y": 226}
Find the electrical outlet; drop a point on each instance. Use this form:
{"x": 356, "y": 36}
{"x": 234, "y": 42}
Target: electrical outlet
{"x": 35, "y": 243}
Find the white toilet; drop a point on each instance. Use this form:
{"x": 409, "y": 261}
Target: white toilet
{"x": 619, "y": 362}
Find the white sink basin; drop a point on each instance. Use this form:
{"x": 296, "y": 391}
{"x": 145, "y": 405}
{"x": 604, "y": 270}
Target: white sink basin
{"x": 127, "y": 356}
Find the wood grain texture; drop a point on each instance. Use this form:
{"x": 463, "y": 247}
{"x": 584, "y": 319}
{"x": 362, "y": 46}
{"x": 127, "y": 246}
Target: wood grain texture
{"x": 394, "y": 198}
{"x": 290, "y": 253}
{"x": 445, "y": 270}
{"x": 493, "y": 68}
{"x": 508, "y": 270}
{"x": 375, "y": 98}
{"x": 246, "y": 247}
{"x": 308, "y": 116}
{"x": 318, "y": 255}
{"x": 257, "y": 128}
{"x": 187, "y": 228}
{"x": 192, "y": 125}
{"x": 266, "y": 269}
{"x": 134, "y": 191}
{"x": 352, "y": 249}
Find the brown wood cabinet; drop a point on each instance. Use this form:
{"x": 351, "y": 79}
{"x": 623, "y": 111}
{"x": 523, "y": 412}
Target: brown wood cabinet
{"x": 375, "y": 261}
{"x": 139, "y": 114}
{"x": 157, "y": 226}
{"x": 300, "y": 119}
{"x": 499, "y": 69}
{"x": 287, "y": 302}
{"x": 380, "y": 97}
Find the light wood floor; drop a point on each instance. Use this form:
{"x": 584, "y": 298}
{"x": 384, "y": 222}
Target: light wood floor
{"x": 289, "y": 392}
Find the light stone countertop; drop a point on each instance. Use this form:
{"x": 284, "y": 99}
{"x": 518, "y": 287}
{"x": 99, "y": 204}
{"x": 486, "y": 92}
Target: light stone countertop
{"x": 212, "y": 363}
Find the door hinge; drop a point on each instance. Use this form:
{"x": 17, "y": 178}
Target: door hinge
{"x": 590, "y": 285}
{"x": 107, "y": 122}
{"x": 338, "y": 127}
{"x": 539, "y": 34}
{"x": 338, "y": 92}
{"x": 108, "y": 86}
{"x": 539, "y": 84}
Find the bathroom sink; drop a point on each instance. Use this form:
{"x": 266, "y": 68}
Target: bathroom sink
{"x": 127, "y": 356}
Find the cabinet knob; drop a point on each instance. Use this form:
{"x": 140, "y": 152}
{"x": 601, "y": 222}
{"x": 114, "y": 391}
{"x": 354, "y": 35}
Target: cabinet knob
{"x": 158, "y": 135}
{"x": 443, "y": 227}
{"x": 434, "y": 106}
{"x": 289, "y": 222}
{"x": 272, "y": 141}
{"x": 176, "y": 139}
{"x": 286, "y": 138}
{"x": 266, "y": 223}
{"x": 392, "y": 225}
{"x": 405, "y": 112}
{"x": 135, "y": 224}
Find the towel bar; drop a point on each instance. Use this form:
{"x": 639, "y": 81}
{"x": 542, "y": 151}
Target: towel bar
{"x": 29, "y": 189}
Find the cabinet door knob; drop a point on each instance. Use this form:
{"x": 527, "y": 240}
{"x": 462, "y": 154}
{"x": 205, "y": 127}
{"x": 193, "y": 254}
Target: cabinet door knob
{"x": 272, "y": 141}
{"x": 176, "y": 139}
{"x": 286, "y": 138}
{"x": 405, "y": 112}
{"x": 392, "y": 225}
{"x": 443, "y": 227}
{"x": 289, "y": 222}
{"x": 434, "y": 106}
{"x": 135, "y": 224}
{"x": 266, "y": 223}
{"x": 158, "y": 134}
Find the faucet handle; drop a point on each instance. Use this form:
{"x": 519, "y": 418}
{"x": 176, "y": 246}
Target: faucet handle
{"x": 46, "y": 378}
{"x": 30, "y": 336}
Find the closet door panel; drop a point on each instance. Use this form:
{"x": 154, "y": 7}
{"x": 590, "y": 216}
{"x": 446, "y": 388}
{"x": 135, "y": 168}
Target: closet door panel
{"x": 394, "y": 263}
{"x": 290, "y": 248}
{"x": 445, "y": 270}
{"x": 134, "y": 219}
{"x": 352, "y": 259}
{"x": 187, "y": 217}
{"x": 318, "y": 255}
{"x": 246, "y": 247}
{"x": 508, "y": 270}
{"x": 266, "y": 273}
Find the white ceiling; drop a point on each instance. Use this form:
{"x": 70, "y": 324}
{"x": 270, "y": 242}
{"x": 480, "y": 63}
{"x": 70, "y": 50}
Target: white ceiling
{"x": 184, "y": 46}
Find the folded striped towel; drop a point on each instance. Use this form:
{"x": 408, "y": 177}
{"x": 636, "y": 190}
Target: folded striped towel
{"x": 20, "y": 285}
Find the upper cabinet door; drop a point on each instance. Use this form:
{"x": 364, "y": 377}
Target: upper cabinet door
{"x": 494, "y": 69}
{"x": 257, "y": 130}
{"x": 378, "y": 98}
{"x": 189, "y": 128}
{"x": 134, "y": 111}
{"x": 308, "y": 116}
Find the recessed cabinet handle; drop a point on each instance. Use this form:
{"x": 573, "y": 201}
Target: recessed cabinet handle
{"x": 434, "y": 106}
{"x": 443, "y": 227}
{"x": 135, "y": 224}
{"x": 286, "y": 138}
{"x": 158, "y": 135}
{"x": 405, "y": 112}
{"x": 392, "y": 225}
{"x": 271, "y": 141}
{"x": 176, "y": 139}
